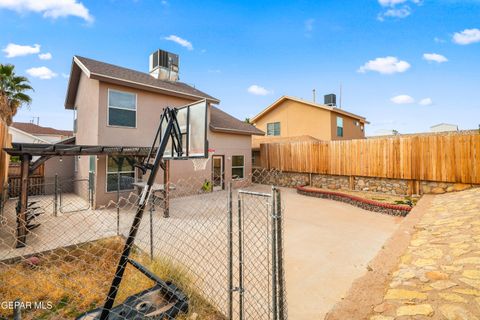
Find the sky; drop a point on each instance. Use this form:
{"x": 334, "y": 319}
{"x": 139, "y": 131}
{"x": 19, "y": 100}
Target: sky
{"x": 403, "y": 64}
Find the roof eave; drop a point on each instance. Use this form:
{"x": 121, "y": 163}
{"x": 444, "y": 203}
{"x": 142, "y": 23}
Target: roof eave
{"x": 235, "y": 131}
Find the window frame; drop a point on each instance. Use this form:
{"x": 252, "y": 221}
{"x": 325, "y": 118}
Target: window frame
{"x": 238, "y": 167}
{"x": 340, "y": 127}
{"x": 120, "y": 108}
{"x": 107, "y": 173}
{"x": 279, "y": 129}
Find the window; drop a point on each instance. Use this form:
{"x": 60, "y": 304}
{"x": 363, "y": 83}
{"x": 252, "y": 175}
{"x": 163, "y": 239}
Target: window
{"x": 339, "y": 127}
{"x": 122, "y": 109}
{"x": 123, "y": 167}
{"x": 273, "y": 129}
{"x": 238, "y": 167}
{"x": 357, "y": 123}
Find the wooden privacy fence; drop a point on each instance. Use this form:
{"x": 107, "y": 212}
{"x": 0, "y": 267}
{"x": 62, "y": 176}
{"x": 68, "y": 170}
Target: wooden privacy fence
{"x": 36, "y": 180}
{"x": 445, "y": 158}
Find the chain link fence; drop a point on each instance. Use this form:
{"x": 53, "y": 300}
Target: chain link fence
{"x": 198, "y": 253}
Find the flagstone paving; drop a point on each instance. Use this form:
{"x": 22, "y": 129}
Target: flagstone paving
{"x": 439, "y": 274}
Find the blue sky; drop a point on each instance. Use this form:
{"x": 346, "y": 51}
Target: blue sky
{"x": 403, "y": 64}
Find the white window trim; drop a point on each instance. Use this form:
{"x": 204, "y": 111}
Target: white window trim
{"x": 120, "y": 108}
{"x": 279, "y": 129}
{"x": 107, "y": 173}
{"x": 342, "y": 126}
{"x": 236, "y": 167}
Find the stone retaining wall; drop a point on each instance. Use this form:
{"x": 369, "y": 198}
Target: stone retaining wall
{"x": 333, "y": 182}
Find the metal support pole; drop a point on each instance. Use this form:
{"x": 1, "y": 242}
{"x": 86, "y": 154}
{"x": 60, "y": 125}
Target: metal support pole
{"x": 240, "y": 259}
{"x": 55, "y": 197}
{"x": 118, "y": 202}
{"x": 274, "y": 253}
{"x": 152, "y": 208}
{"x": 166, "y": 189}
{"x": 22, "y": 203}
{"x": 280, "y": 271}
{"x": 122, "y": 264}
{"x": 17, "y": 310}
{"x": 230, "y": 252}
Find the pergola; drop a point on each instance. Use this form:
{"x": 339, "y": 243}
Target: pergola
{"x": 26, "y": 151}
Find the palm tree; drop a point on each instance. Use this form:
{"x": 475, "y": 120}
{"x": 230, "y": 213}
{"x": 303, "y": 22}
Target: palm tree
{"x": 12, "y": 92}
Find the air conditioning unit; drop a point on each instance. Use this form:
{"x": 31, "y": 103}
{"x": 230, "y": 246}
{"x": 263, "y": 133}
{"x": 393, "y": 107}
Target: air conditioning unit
{"x": 164, "y": 65}
{"x": 330, "y": 100}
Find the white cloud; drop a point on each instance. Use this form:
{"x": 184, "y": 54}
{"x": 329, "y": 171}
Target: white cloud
{"x": 390, "y": 3}
{"x": 258, "y": 90}
{"x": 17, "y": 50}
{"x": 65, "y": 75}
{"x": 402, "y": 99}
{"x": 184, "y": 43}
{"x": 435, "y": 57}
{"x": 467, "y": 36}
{"x": 425, "y": 102}
{"x": 386, "y": 65}
{"x": 396, "y": 13}
{"x": 45, "y": 56}
{"x": 42, "y": 73}
{"x": 309, "y": 24}
{"x": 50, "y": 8}
{"x": 438, "y": 40}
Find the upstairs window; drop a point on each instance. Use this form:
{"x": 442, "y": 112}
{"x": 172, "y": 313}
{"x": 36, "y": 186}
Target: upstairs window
{"x": 339, "y": 127}
{"x": 273, "y": 129}
{"x": 122, "y": 109}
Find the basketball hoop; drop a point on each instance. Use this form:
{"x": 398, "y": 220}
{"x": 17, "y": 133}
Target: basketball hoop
{"x": 201, "y": 163}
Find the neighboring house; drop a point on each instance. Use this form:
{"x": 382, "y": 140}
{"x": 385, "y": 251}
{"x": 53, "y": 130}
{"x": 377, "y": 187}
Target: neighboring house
{"x": 442, "y": 127}
{"x": 25, "y": 130}
{"x": 119, "y": 106}
{"x": 290, "y": 117}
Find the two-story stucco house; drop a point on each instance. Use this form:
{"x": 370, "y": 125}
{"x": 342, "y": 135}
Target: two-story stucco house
{"x": 116, "y": 106}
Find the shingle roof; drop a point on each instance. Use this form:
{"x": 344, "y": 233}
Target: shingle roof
{"x": 223, "y": 122}
{"x": 115, "y": 74}
{"x": 35, "y": 129}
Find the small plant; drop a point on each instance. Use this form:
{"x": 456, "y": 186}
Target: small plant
{"x": 207, "y": 186}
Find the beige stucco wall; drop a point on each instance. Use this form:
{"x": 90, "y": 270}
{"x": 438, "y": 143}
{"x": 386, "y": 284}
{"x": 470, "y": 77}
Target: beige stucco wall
{"x": 350, "y": 130}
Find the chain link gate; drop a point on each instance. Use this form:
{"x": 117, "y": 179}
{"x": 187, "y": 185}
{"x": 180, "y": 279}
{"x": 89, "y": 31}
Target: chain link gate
{"x": 256, "y": 272}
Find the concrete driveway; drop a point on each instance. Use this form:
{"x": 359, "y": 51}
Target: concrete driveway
{"x": 328, "y": 245}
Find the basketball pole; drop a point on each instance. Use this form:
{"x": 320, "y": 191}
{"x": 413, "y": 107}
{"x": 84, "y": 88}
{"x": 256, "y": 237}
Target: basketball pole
{"x": 166, "y": 189}
{"x": 172, "y": 130}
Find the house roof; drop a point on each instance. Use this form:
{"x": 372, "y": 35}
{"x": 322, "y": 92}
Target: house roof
{"x": 127, "y": 77}
{"x": 444, "y": 124}
{"x": 34, "y": 129}
{"x": 221, "y": 121}
{"x": 276, "y": 139}
{"x": 313, "y": 104}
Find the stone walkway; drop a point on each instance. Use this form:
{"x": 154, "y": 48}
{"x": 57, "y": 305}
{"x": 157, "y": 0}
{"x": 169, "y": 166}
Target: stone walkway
{"x": 439, "y": 274}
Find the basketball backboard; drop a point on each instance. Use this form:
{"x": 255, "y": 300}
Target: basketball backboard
{"x": 192, "y": 120}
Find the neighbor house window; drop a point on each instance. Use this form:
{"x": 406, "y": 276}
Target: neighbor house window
{"x": 238, "y": 167}
{"x": 273, "y": 129}
{"x": 122, "y": 109}
{"x": 123, "y": 168}
{"x": 339, "y": 127}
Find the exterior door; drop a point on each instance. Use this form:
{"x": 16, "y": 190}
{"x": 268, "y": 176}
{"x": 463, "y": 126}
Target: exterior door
{"x": 218, "y": 173}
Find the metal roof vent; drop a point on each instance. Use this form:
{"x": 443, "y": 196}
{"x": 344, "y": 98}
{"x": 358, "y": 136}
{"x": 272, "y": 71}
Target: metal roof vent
{"x": 164, "y": 65}
{"x": 330, "y": 100}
